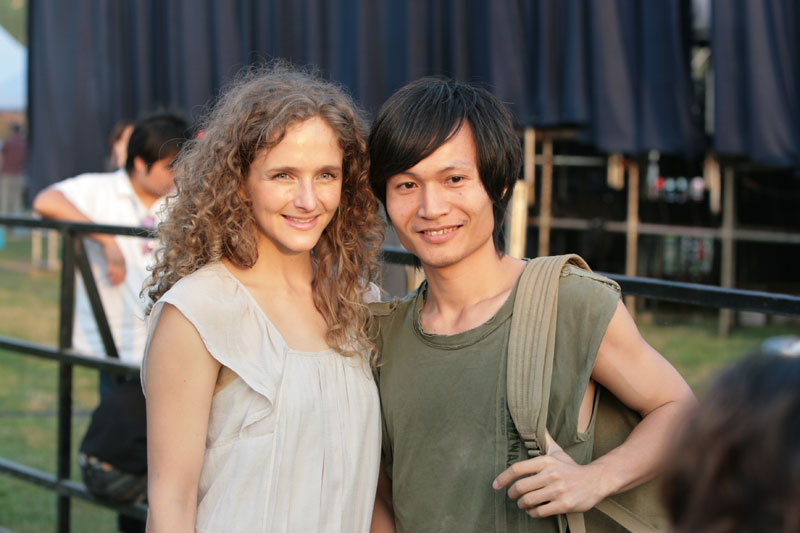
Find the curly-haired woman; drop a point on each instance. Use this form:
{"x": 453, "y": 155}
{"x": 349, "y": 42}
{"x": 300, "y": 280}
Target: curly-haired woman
{"x": 261, "y": 410}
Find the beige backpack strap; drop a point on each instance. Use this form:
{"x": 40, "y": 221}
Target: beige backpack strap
{"x": 576, "y": 523}
{"x": 531, "y": 347}
{"x": 533, "y": 331}
{"x": 615, "y": 512}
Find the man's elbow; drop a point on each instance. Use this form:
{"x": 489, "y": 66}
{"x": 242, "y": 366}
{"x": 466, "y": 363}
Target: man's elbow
{"x": 44, "y": 203}
{"x": 680, "y": 402}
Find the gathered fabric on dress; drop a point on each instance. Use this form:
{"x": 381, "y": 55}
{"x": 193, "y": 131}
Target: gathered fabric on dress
{"x": 293, "y": 440}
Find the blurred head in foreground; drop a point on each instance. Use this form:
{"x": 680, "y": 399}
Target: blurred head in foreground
{"x": 736, "y": 464}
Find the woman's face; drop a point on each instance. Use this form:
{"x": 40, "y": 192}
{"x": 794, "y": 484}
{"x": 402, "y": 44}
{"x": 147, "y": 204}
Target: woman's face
{"x": 295, "y": 188}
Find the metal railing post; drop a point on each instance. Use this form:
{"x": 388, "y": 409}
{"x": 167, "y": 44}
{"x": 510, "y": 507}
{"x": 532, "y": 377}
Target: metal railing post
{"x": 64, "y": 438}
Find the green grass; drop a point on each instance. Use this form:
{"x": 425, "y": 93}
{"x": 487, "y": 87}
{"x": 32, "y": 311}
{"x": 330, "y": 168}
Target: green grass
{"x": 29, "y": 310}
{"x": 697, "y": 350}
{"x": 28, "y": 398}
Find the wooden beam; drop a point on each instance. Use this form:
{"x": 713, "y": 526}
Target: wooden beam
{"x": 36, "y": 248}
{"x": 649, "y": 228}
{"x": 632, "y": 229}
{"x": 728, "y": 262}
{"x": 529, "y": 167}
{"x": 545, "y": 210}
{"x": 53, "y": 255}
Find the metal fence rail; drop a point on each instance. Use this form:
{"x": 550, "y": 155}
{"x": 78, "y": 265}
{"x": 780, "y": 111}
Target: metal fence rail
{"x": 675, "y": 291}
{"x": 73, "y": 256}
{"x": 73, "y": 259}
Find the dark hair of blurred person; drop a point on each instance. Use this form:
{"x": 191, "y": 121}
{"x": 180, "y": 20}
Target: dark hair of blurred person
{"x": 155, "y": 137}
{"x": 736, "y": 464}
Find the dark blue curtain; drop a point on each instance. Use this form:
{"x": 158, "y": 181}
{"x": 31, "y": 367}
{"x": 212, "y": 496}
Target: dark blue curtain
{"x": 640, "y": 77}
{"x": 755, "y": 49}
{"x": 617, "y": 69}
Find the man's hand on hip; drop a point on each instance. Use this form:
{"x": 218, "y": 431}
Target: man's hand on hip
{"x": 552, "y": 484}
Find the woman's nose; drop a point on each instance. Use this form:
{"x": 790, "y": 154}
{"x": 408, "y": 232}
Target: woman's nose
{"x": 306, "y": 195}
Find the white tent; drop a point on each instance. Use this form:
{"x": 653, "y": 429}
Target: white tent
{"x": 13, "y": 73}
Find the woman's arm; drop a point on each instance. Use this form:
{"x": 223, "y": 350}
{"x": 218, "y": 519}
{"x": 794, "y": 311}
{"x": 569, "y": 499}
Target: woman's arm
{"x": 180, "y": 380}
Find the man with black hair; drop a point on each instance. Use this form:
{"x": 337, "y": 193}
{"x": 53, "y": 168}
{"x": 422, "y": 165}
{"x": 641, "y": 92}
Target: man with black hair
{"x": 113, "y": 452}
{"x": 444, "y": 161}
{"x": 132, "y": 196}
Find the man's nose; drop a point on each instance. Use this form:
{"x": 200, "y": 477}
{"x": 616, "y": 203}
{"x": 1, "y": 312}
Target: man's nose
{"x": 433, "y": 202}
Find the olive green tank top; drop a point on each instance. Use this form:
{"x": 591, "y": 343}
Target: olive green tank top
{"x": 447, "y": 429}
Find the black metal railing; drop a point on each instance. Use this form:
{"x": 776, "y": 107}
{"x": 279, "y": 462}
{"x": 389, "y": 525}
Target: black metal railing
{"x": 73, "y": 256}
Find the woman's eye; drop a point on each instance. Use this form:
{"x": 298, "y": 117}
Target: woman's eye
{"x": 328, "y": 176}
{"x": 456, "y": 179}
{"x": 406, "y": 185}
{"x": 281, "y": 176}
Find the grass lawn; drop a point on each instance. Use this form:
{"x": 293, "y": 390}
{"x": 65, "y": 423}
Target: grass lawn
{"x": 28, "y": 404}
{"x": 29, "y": 310}
{"x": 697, "y": 350}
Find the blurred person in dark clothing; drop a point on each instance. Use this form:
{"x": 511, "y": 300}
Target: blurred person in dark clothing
{"x": 13, "y": 159}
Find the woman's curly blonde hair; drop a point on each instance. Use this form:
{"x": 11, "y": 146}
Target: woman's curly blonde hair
{"x": 209, "y": 219}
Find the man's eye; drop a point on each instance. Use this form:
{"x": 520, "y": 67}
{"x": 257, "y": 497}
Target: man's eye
{"x": 456, "y": 179}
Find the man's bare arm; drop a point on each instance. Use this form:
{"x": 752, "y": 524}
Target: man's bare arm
{"x": 382, "y": 512}
{"x": 644, "y": 381}
{"x": 51, "y": 203}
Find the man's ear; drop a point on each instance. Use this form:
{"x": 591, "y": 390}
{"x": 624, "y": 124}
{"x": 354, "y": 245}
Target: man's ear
{"x": 139, "y": 165}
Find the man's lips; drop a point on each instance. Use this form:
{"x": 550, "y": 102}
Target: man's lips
{"x": 439, "y": 231}
{"x": 439, "y": 234}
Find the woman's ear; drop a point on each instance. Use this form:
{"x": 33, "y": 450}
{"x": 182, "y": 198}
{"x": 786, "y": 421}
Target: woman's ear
{"x": 243, "y": 191}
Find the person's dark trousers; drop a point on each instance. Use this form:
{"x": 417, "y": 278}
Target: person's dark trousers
{"x": 106, "y": 384}
{"x": 125, "y": 524}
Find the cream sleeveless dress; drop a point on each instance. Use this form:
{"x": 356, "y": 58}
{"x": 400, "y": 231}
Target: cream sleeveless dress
{"x": 293, "y": 442}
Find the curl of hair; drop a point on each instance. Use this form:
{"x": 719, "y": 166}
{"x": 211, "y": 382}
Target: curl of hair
{"x": 209, "y": 218}
{"x": 736, "y": 463}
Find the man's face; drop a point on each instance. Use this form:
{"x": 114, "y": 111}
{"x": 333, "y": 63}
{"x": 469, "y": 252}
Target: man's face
{"x": 159, "y": 179}
{"x": 439, "y": 208}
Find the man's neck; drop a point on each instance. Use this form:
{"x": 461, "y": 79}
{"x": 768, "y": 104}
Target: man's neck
{"x": 146, "y": 198}
{"x": 467, "y": 294}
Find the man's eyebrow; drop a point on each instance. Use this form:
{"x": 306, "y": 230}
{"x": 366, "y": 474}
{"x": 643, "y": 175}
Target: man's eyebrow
{"x": 454, "y": 166}
{"x": 457, "y": 165}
